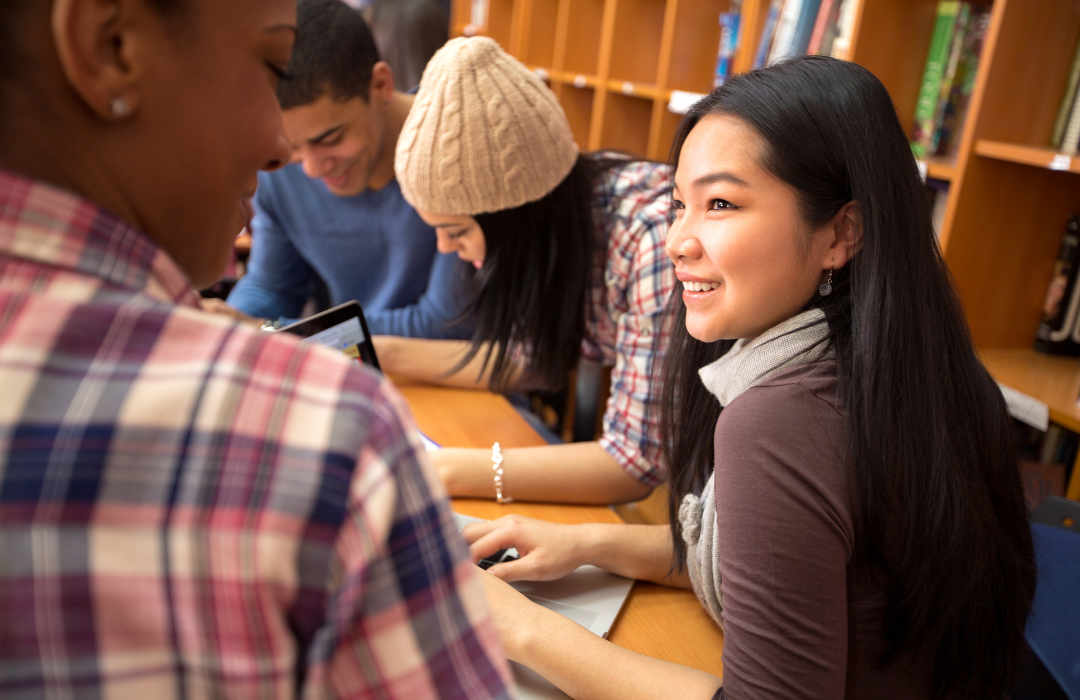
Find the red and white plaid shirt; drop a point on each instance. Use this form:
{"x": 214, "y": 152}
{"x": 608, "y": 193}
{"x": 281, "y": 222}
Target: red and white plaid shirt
{"x": 192, "y": 509}
{"x": 631, "y": 281}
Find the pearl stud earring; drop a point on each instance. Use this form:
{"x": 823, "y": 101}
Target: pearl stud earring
{"x": 119, "y": 106}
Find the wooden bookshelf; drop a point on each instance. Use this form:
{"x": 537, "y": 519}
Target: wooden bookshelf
{"x": 1055, "y": 381}
{"x": 1007, "y": 205}
{"x": 1046, "y": 158}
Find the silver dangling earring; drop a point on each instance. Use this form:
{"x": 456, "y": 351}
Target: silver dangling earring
{"x": 826, "y": 288}
{"x": 119, "y": 106}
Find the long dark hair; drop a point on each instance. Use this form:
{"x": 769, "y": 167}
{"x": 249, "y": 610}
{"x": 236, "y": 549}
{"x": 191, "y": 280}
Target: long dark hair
{"x": 530, "y": 293}
{"x": 937, "y": 497}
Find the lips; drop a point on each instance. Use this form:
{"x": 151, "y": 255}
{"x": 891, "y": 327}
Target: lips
{"x": 337, "y": 181}
{"x": 700, "y": 286}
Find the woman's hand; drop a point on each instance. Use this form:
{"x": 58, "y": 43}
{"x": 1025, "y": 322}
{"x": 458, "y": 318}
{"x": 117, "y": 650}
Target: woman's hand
{"x": 547, "y": 551}
{"x": 515, "y": 615}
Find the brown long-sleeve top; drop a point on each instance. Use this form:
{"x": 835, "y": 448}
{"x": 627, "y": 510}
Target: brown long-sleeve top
{"x": 798, "y": 621}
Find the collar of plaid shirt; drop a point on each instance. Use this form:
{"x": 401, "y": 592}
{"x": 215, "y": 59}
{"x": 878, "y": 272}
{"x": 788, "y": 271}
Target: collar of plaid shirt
{"x": 47, "y": 225}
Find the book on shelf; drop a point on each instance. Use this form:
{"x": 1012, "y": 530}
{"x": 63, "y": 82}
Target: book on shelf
{"x": 794, "y": 29}
{"x": 959, "y": 81}
{"x": 1068, "y": 101}
{"x": 841, "y": 43}
{"x": 948, "y": 11}
{"x": 798, "y": 27}
{"x": 827, "y": 18}
{"x": 767, "y": 31}
{"x": 1071, "y": 138}
{"x": 784, "y": 32}
{"x": 1059, "y": 330}
{"x": 948, "y": 73}
{"x": 804, "y": 28}
{"x": 729, "y": 42}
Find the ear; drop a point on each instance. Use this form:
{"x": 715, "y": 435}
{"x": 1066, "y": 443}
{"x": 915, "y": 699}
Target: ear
{"x": 382, "y": 84}
{"x": 844, "y": 236}
{"x": 97, "y": 45}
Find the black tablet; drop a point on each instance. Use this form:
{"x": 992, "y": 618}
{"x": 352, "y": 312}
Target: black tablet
{"x": 341, "y": 328}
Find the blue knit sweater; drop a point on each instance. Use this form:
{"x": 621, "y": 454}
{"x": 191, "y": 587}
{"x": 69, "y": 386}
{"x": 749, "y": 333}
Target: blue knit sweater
{"x": 373, "y": 248}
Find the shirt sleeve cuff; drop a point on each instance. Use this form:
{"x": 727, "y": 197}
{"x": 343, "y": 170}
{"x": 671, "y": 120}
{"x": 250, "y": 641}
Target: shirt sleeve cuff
{"x": 628, "y": 456}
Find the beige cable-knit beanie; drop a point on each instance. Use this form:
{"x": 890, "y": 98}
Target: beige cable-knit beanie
{"x": 484, "y": 134}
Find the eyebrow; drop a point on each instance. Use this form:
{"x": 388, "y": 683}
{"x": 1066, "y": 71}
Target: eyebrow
{"x": 325, "y": 135}
{"x": 282, "y": 28}
{"x": 722, "y": 176}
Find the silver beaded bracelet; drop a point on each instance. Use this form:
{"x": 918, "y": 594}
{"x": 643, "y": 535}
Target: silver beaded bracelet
{"x": 496, "y": 466}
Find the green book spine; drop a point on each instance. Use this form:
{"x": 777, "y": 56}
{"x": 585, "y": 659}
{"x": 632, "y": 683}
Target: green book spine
{"x": 940, "y": 42}
{"x": 963, "y": 18}
{"x": 1067, "y": 101}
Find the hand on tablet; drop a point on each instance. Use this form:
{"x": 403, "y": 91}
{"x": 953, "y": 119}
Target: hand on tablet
{"x": 547, "y": 551}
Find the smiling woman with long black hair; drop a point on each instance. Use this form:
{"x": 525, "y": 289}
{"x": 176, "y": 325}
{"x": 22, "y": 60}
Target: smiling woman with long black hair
{"x": 845, "y": 493}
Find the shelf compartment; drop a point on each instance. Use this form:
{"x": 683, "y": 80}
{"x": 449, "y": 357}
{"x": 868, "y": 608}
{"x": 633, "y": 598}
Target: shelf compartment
{"x": 1007, "y": 223}
{"x": 636, "y": 44}
{"x": 626, "y": 124}
{"x": 578, "y": 105}
{"x": 697, "y": 41}
{"x": 499, "y": 19}
{"x": 539, "y": 40}
{"x": 583, "y": 37}
{"x": 1030, "y": 68}
{"x": 1028, "y": 155}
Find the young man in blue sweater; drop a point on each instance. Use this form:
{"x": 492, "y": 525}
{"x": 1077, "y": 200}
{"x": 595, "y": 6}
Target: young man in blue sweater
{"x": 336, "y": 212}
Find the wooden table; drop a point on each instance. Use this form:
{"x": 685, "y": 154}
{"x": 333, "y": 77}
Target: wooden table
{"x": 661, "y": 622}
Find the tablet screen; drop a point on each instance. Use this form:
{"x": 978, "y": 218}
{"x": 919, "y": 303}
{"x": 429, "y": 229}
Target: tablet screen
{"x": 341, "y": 328}
{"x": 346, "y": 337}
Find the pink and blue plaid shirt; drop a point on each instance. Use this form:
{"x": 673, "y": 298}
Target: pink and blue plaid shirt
{"x": 629, "y": 286}
{"x": 192, "y": 509}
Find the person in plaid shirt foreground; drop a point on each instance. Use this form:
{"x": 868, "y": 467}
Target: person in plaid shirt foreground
{"x": 189, "y": 508}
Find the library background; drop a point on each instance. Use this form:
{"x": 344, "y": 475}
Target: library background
{"x": 988, "y": 91}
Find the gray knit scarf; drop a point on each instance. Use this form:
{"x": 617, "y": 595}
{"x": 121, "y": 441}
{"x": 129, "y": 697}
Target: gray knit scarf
{"x": 796, "y": 341}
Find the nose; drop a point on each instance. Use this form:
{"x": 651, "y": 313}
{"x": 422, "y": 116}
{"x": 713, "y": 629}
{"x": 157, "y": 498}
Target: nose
{"x": 445, "y": 245}
{"x": 682, "y": 242}
{"x": 281, "y": 153}
{"x": 314, "y": 166}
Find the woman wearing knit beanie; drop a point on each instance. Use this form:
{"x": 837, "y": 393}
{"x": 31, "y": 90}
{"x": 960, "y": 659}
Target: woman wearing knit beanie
{"x": 569, "y": 252}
